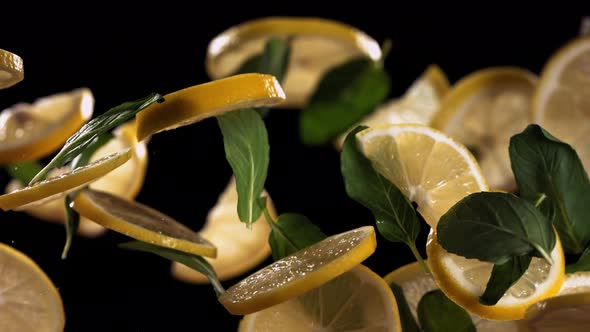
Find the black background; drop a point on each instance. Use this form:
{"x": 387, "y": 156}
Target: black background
{"x": 123, "y": 56}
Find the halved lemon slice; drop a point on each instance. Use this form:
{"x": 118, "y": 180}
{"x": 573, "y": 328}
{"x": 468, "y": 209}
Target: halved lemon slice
{"x": 316, "y": 45}
{"x": 32, "y": 131}
{"x": 429, "y": 167}
{"x": 11, "y": 69}
{"x": 28, "y": 299}
{"x": 300, "y": 272}
{"x": 560, "y": 313}
{"x": 358, "y": 300}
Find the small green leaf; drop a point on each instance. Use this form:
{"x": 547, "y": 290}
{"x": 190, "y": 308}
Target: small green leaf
{"x": 246, "y": 149}
{"x": 583, "y": 263}
{"x": 405, "y": 315}
{"x": 84, "y": 158}
{"x": 503, "y": 277}
{"x": 25, "y": 171}
{"x": 72, "y": 223}
{"x": 543, "y": 165}
{"x": 437, "y": 313}
{"x": 343, "y": 97}
{"x": 292, "y": 232}
{"x": 508, "y": 225}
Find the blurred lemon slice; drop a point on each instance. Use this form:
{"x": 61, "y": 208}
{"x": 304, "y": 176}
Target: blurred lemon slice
{"x": 483, "y": 111}
{"x": 32, "y": 131}
{"x": 28, "y": 299}
{"x": 578, "y": 282}
{"x": 316, "y": 45}
{"x": 300, "y": 272}
{"x": 560, "y": 313}
{"x": 11, "y": 69}
{"x": 358, "y": 300}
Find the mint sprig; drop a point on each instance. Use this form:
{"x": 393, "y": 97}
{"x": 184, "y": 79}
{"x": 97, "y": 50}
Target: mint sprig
{"x": 437, "y": 313}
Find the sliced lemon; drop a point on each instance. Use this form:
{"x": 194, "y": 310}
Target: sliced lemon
{"x": 358, "y": 300}
{"x": 11, "y": 69}
{"x": 429, "y": 167}
{"x": 201, "y": 101}
{"x": 483, "y": 111}
{"x": 28, "y": 299}
{"x": 561, "y": 103}
{"x": 560, "y": 313}
{"x": 32, "y": 131}
{"x": 316, "y": 45}
{"x": 464, "y": 280}
{"x": 578, "y": 282}
{"x": 300, "y": 272}
{"x": 140, "y": 222}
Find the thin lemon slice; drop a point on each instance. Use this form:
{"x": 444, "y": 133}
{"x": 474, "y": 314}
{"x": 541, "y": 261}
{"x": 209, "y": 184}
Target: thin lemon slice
{"x": 11, "y": 69}
{"x": 316, "y": 45}
{"x": 239, "y": 248}
{"x": 32, "y": 131}
{"x": 464, "y": 280}
{"x": 302, "y": 271}
{"x": 483, "y": 111}
{"x": 429, "y": 167}
{"x": 560, "y": 313}
{"x": 60, "y": 185}
{"x": 561, "y": 103}
{"x": 578, "y": 282}
{"x": 201, "y": 101}
{"x": 140, "y": 222}
{"x": 28, "y": 299}
{"x": 358, "y": 300}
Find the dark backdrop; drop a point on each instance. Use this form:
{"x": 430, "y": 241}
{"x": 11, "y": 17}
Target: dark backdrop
{"x": 124, "y": 56}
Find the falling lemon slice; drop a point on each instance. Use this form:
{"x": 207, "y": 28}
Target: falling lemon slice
{"x": 560, "y": 313}
{"x": 358, "y": 300}
{"x": 28, "y": 299}
{"x": 11, "y": 69}
{"x": 300, "y": 272}
{"x": 316, "y": 45}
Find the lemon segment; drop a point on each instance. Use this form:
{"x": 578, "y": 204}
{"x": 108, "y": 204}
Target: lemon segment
{"x": 11, "y": 69}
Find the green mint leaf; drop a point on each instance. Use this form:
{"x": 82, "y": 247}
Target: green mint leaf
{"x": 508, "y": 225}
{"x": 246, "y": 149}
{"x": 24, "y": 172}
{"x": 292, "y": 232}
{"x": 103, "y": 123}
{"x": 583, "y": 263}
{"x": 72, "y": 223}
{"x": 195, "y": 262}
{"x": 84, "y": 158}
{"x": 344, "y": 96}
{"x": 405, "y": 314}
{"x": 543, "y": 165}
{"x": 437, "y": 313}
{"x": 503, "y": 277}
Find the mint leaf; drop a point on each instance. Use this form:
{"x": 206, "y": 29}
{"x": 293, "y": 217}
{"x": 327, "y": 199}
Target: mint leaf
{"x": 25, "y": 171}
{"x": 292, "y": 232}
{"x": 583, "y": 263}
{"x": 246, "y": 149}
{"x": 507, "y": 225}
{"x": 503, "y": 277}
{"x": 405, "y": 315}
{"x": 344, "y": 96}
{"x": 543, "y": 165}
{"x": 437, "y": 313}
{"x": 83, "y": 158}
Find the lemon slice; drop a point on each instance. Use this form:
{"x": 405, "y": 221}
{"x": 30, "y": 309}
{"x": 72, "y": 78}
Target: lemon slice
{"x": 464, "y": 280}
{"x": 11, "y": 69}
{"x": 316, "y": 45}
{"x": 32, "y": 131}
{"x": 578, "y": 282}
{"x": 201, "y": 101}
{"x": 561, "y": 103}
{"x": 300, "y": 272}
{"x": 28, "y": 299}
{"x": 60, "y": 185}
{"x": 483, "y": 111}
{"x": 239, "y": 249}
{"x": 429, "y": 167}
{"x": 140, "y": 222}
{"x": 358, "y": 300}
{"x": 560, "y": 313}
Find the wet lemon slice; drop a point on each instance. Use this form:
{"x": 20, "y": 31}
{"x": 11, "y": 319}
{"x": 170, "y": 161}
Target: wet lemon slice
{"x": 32, "y": 131}
{"x": 140, "y": 222}
{"x": 300, "y": 272}
{"x": 483, "y": 111}
{"x": 316, "y": 45}
{"x": 560, "y": 313}
{"x": 202, "y": 101}
{"x": 11, "y": 69}
{"x": 578, "y": 282}
{"x": 28, "y": 299}
{"x": 358, "y": 300}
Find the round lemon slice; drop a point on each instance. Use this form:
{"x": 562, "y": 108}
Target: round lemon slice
{"x": 316, "y": 45}
{"x": 32, "y": 131}
{"x": 578, "y": 282}
{"x": 11, "y": 69}
{"x": 300, "y": 272}
{"x": 28, "y": 299}
{"x": 358, "y": 300}
{"x": 560, "y": 313}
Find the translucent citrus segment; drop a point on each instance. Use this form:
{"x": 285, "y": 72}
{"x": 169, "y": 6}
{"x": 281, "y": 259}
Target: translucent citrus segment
{"x": 429, "y": 167}
{"x": 560, "y": 313}
{"x": 302, "y": 271}
{"x": 198, "y": 102}
{"x": 28, "y": 299}
{"x": 32, "y": 131}
{"x": 11, "y": 69}
{"x": 60, "y": 185}
{"x": 140, "y": 222}
{"x": 358, "y": 300}
{"x": 316, "y": 45}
